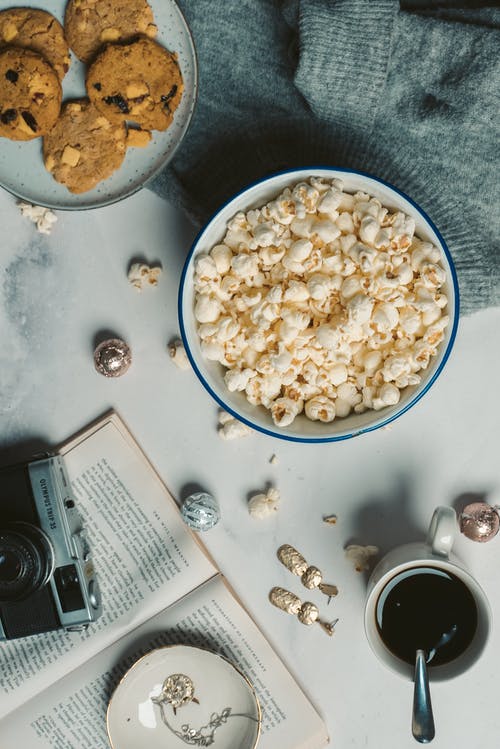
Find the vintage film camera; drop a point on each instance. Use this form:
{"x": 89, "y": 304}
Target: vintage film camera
{"x": 47, "y": 578}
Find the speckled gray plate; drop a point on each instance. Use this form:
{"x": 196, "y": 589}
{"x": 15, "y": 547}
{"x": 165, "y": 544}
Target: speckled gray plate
{"x": 21, "y": 166}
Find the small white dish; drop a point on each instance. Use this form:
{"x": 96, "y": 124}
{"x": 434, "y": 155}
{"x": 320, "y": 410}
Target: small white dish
{"x": 22, "y": 171}
{"x": 211, "y": 373}
{"x": 134, "y": 720}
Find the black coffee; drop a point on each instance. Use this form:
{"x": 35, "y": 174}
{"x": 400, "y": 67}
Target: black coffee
{"x": 429, "y": 609}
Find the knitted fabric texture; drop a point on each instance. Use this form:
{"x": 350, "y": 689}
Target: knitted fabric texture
{"x": 409, "y": 97}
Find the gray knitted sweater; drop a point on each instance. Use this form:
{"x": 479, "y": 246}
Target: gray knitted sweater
{"x": 410, "y": 97}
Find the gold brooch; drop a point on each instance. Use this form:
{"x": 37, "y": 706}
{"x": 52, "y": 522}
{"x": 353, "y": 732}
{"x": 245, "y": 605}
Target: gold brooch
{"x": 177, "y": 690}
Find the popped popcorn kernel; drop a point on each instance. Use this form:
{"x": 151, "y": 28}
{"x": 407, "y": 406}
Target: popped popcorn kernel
{"x": 142, "y": 275}
{"x": 230, "y": 428}
{"x": 178, "y": 354}
{"x": 263, "y": 505}
{"x": 42, "y": 217}
{"x": 360, "y": 556}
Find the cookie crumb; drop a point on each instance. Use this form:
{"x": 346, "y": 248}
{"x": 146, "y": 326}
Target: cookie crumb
{"x": 137, "y": 138}
{"x": 330, "y": 519}
{"x": 44, "y": 218}
{"x": 274, "y": 460}
{"x": 141, "y": 275}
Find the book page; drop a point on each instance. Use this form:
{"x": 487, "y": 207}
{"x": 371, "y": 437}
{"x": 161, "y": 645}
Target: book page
{"x": 144, "y": 555}
{"x": 72, "y": 713}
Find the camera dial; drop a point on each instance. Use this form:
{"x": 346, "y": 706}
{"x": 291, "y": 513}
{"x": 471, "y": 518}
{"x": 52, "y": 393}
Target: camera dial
{"x": 26, "y": 561}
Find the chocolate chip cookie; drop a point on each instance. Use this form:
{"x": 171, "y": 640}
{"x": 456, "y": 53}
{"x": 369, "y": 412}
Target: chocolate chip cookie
{"x": 30, "y": 94}
{"x": 140, "y": 82}
{"x": 90, "y": 24}
{"x": 84, "y": 147}
{"x": 38, "y": 31}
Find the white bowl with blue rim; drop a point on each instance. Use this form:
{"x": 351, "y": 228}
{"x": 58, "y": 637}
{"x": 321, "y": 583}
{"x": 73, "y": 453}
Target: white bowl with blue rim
{"x": 211, "y": 374}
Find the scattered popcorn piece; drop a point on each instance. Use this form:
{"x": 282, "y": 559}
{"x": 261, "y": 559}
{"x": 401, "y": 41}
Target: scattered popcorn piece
{"x": 178, "y": 354}
{"x": 360, "y": 555}
{"x": 230, "y": 428}
{"x": 224, "y": 417}
{"x": 262, "y": 505}
{"x": 321, "y": 303}
{"x": 273, "y": 460}
{"x": 141, "y": 275}
{"x": 42, "y": 217}
{"x": 330, "y": 519}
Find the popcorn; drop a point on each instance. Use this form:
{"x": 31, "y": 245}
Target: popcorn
{"x": 320, "y": 408}
{"x": 42, "y": 217}
{"x": 207, "y": 309}
{"x": 306, "y": 195}
{"x": 325, "y": 230}
{"x": 205, "y": 268}
{"x": 264, "y": 235}
{"x": 388, "y": 395}
{"x": 318, "y": 286}
{"x": 245, "y": 266}
{"x": 230, "y": 428}
{"x": 222, "y": 255}
{"x": 237, "y": 379}
{"x": 284, "y": 410}
{"x": 234, "y": 430}
{"x": 360, "y": 556}
{"x": 178, "y": 354}
{"x": 321, "y": 302}
{"x": 263, "y": 505}
{"x": 338, "y": 374}
{"x": 141, "y": 275}
{"x": 224, "y": 417}
{"x": 330, "y": 201}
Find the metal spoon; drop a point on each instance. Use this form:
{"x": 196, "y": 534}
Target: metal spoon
{"x": 423, "y": 720}
{"x": 422, "y": 725}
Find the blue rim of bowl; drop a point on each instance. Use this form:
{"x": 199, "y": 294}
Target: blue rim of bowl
{"x": 364, "y": 430}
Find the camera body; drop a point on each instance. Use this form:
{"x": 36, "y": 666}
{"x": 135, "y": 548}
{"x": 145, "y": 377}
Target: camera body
{"x": 47, "y": 578}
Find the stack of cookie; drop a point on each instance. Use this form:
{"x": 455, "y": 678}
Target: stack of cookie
{"x": 133, "y": 84}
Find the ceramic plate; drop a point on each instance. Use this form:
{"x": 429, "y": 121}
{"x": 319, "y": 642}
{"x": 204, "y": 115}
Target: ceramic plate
{"x": 227, "y": 710}
{"x": 21, "y": 166}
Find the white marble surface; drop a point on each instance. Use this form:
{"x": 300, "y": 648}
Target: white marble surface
{"x": 58, "y": 292}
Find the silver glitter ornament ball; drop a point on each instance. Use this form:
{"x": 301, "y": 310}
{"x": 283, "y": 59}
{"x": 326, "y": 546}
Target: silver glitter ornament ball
{"x": 479, "y": 521}
{"x": 112, "y": 358}
{"x": 200, "y": 511}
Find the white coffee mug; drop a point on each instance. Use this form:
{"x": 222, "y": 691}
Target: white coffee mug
{"x": 435, "y": 552}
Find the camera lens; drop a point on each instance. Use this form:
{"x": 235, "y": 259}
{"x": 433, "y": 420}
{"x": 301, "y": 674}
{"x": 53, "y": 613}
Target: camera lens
{"x": 10, "y": 566}
{"x": 26, "y": 561}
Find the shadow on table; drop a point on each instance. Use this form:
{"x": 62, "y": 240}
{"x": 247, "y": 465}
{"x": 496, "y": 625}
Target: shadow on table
{"x": 468, "y": 498}
{"x": 24, "y": 450}
{"x": 387, "y": 521}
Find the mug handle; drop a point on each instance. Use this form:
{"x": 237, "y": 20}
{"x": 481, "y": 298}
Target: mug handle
{"x": 441, "y": 531}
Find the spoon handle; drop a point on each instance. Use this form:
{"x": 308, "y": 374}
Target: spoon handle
{"x": 423, "y": 721}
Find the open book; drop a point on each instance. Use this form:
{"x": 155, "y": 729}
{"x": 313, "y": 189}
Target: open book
{"x": 158, "y": 586}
